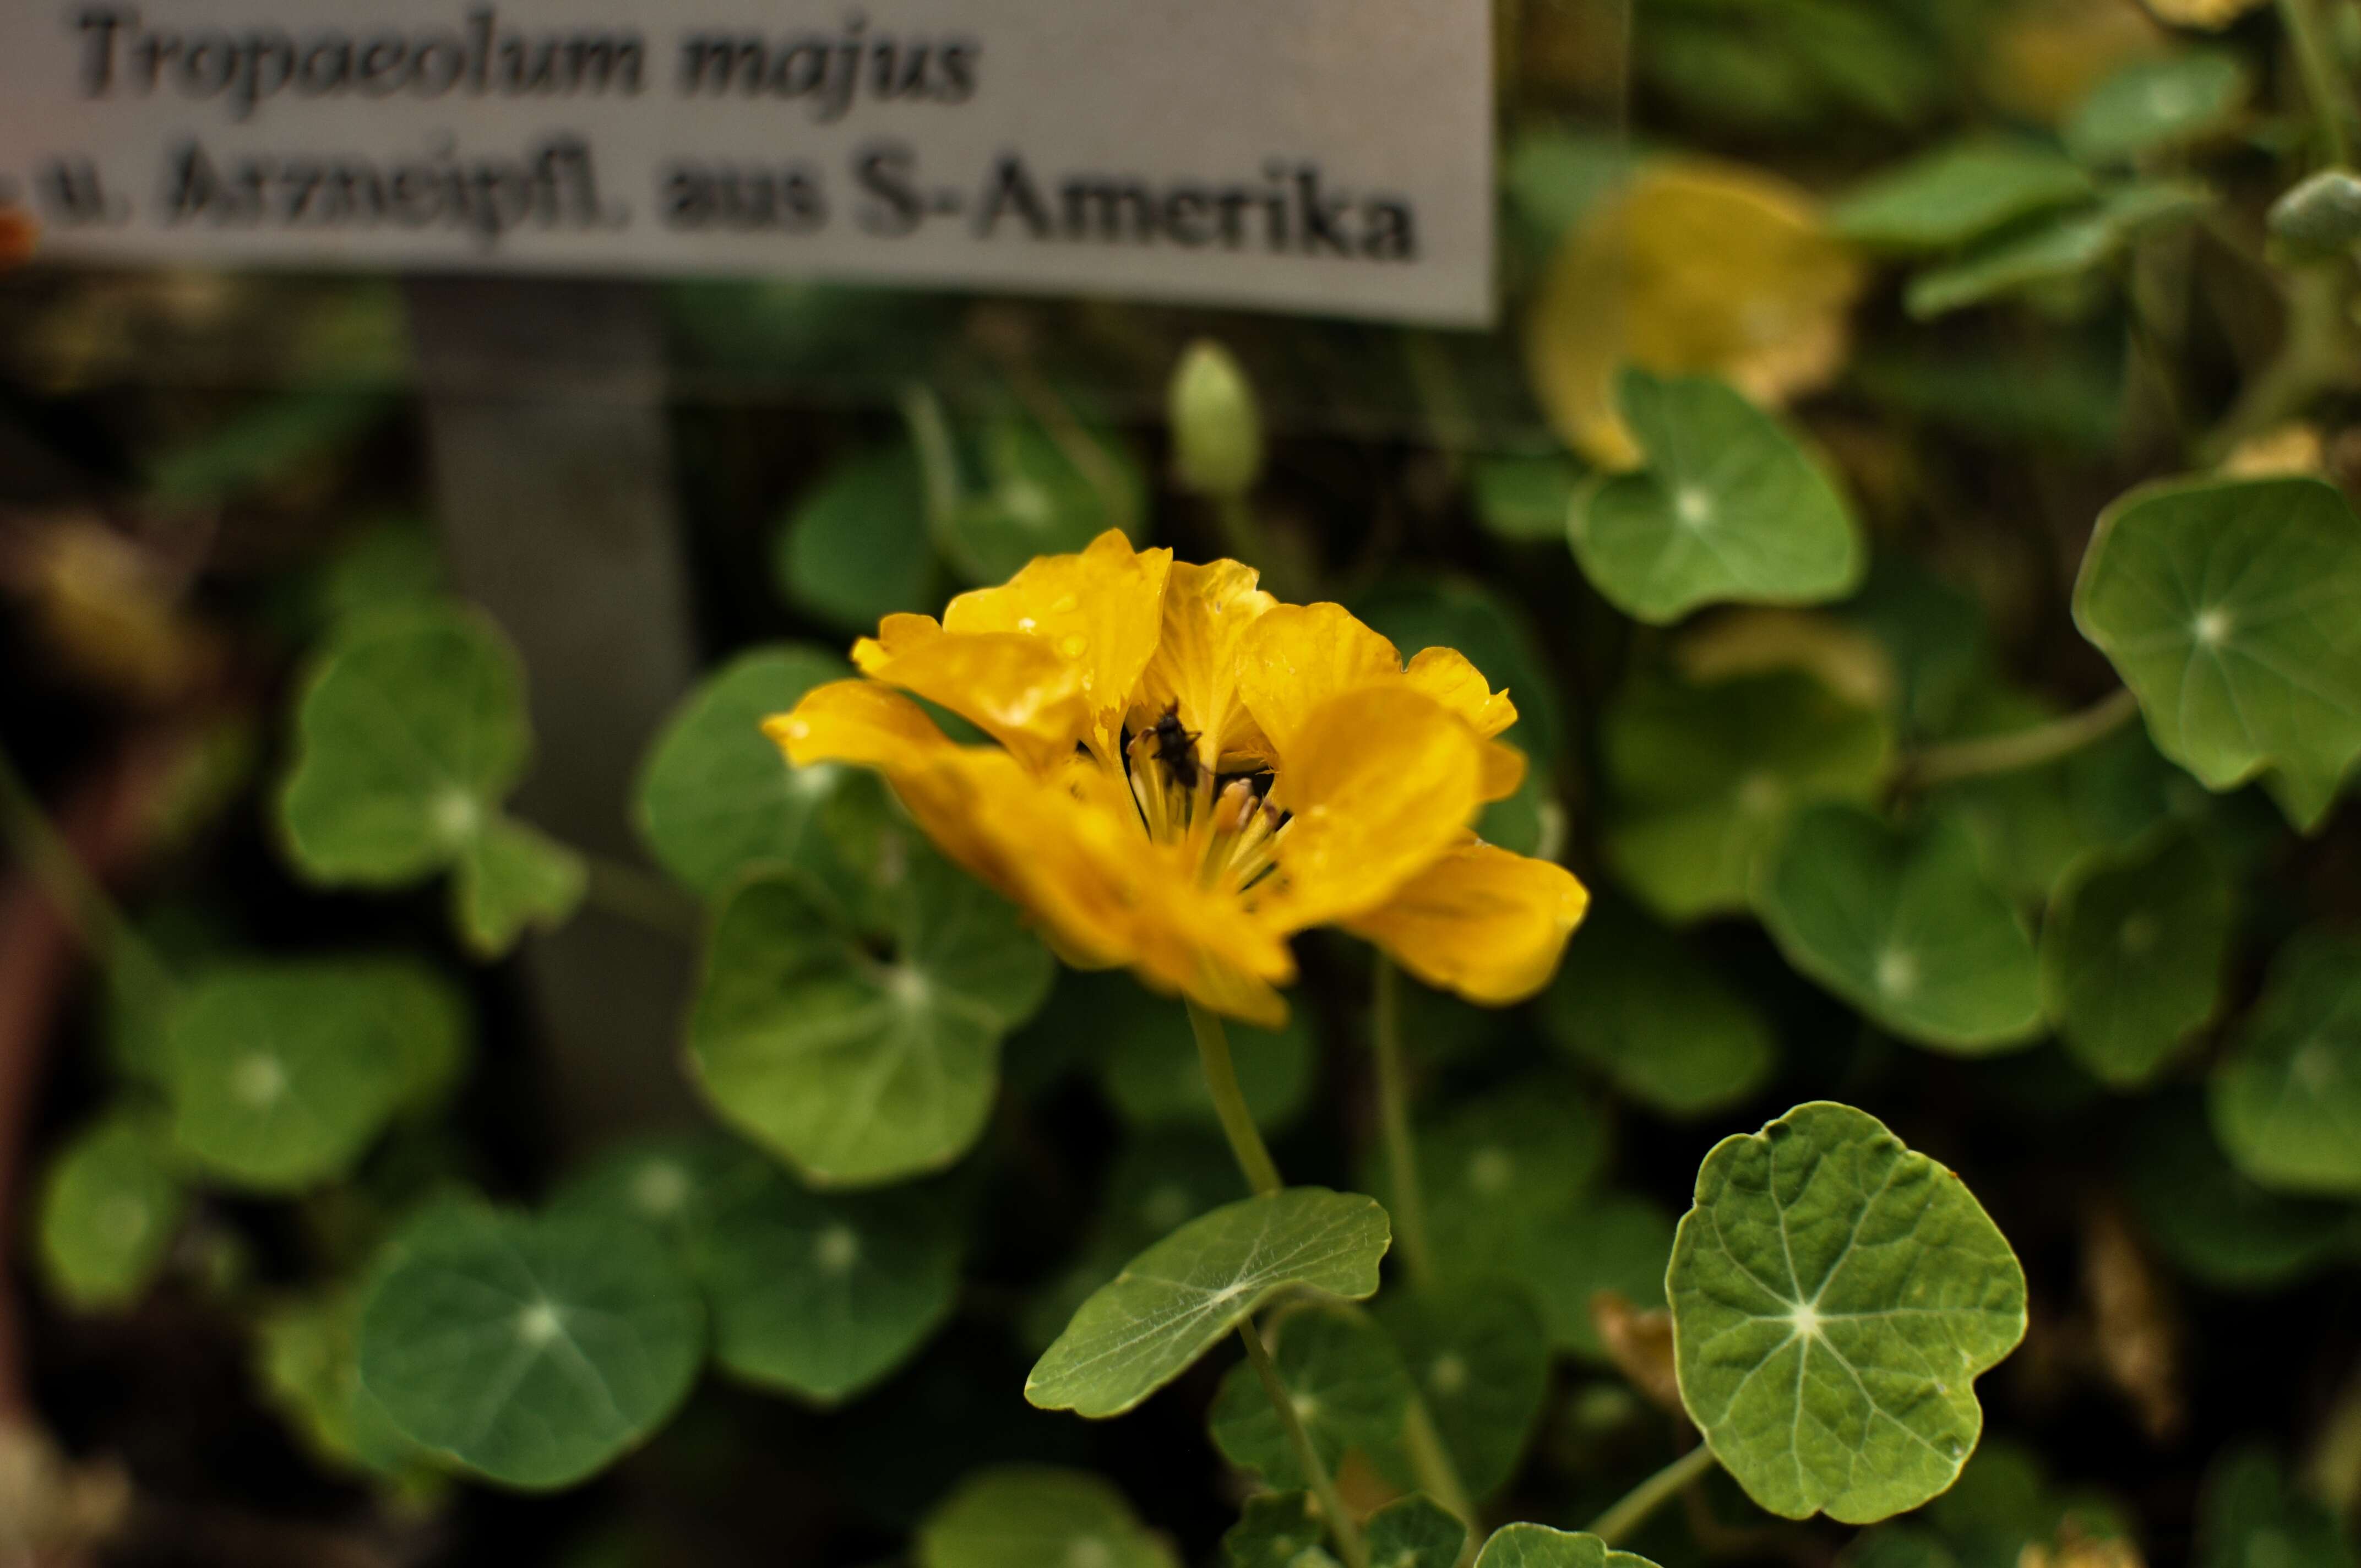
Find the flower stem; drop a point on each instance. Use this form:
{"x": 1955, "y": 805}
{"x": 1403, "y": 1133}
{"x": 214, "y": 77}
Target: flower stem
{"x": 1632, "y": 1510}
{"x": 1341, "y": 1527}
{"x": 1409, "y": 1203}
{"x": 1230, "y": 1103}
{"x": 2328, "y": 102}
{"x": 51, "y": 861}
{"x": 2022, "y": 747}
{"x": 624, "y": 891}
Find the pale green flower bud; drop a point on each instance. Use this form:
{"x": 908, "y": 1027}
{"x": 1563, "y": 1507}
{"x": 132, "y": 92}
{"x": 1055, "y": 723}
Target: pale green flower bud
{"x": 1217, "y": 428}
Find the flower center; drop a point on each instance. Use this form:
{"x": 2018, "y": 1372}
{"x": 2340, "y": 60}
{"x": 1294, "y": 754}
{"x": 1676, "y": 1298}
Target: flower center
{"x": 1228, "y": 831}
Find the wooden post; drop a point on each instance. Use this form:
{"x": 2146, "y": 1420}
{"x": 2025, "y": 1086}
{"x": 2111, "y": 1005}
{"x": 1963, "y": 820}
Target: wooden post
{"x": 551, "y": 464}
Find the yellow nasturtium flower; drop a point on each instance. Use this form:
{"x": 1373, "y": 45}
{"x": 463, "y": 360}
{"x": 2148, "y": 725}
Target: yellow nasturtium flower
{"x": 1694, "y": 267}
{"x": 1304, "y": 777}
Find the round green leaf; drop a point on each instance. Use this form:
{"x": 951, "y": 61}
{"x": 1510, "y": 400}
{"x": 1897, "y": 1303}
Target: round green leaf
{"x": 668, "y": 1183}
{"x": 109, "y": 1206}
{"x": 1635, "y": 1002}
{"x": 511, "y": 876}
{"x": 1958, "y": 191}
{"x": 1277, "y": 1529}
{"x": 1036, "y": 1516}
{"x": 1175, "y": 1300}
{"x": 1150, "y": 1070}
{"x": 1346, "y": 1382}
{"x": 1492, "y": 1167}
{"x": 410, "y": 731}
{"x": 1611, "y": 1241}
{"x": 533, "y": 1351}
{"x": 2232, "y": 608}
{"x": 853, "y": 549}
{"x": 855, "y": 1069}
{"x": 822, "y": 1294}
{"x": 1415, "y": 1531}
{"x": 2214, "y": 1221}
{"x": 1539, "y": 1546}
{"x": 1834, "y": 1298}
{"x": 1903, "y": 926}
{"x": 305, "y": 1361}
{"x": 2132, "y": 954}
{"x": 1158, "y": 1184}
{"x": 2153, "y": 104}
{"x": 2287, "y": 1098}
{"x": 283, "y": 1073}
{"x": 1479, "y": 1357}
{"x": 716, "y": 796}
{"x": 1728, "y": 508}
{"x": 1703, "y": 779}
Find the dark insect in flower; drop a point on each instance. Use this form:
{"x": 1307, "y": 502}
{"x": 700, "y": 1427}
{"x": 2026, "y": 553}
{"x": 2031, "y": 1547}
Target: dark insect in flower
{"x": 1176, "y": 748}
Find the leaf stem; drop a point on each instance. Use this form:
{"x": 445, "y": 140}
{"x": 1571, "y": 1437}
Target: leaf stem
{"x": 624, "y": 891}
{"x": 2020, "y": 749}
{"x": 1230, "y": 1102}
{"x": 1341, "y": 1527}
{"x": 104, "y": 927}
{"x": 1632, "y": 1510}
{"x": 2328, "y": 103}
{"x": 1431, "y": 1461}
{"x": 1408, "y": 1199}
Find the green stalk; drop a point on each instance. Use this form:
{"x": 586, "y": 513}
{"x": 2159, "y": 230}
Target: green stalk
{"x": 2312, "y": 57}
{"x": 2022, "y": 747}
{"x": 1408, "y": 1204}
{"x": 1431, "y": 1461}
{"x": 1341, "y": 1527}
{"x": 1230, "y": 1103}
{"x": 1645, "y": 1499}
{"x": 104, "y": 927}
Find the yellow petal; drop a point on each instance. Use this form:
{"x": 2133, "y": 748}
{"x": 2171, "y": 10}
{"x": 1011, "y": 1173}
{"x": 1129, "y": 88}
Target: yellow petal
{"x": 859, "y": 722}
{"x": 1382, "y": 781}
{"x": 1481, "y": 922}
{"x": 1445, "y": 675}
{"x": 1014, "y": 688}
{"x": 1207, "y": 612}
{"x": 1296, "y": 658}
{"x": 1100, "y": 610}
{"x": 1694, "y": 266}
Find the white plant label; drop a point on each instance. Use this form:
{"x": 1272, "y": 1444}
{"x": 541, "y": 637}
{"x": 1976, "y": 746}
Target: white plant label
{"x": 1326, "y": 156}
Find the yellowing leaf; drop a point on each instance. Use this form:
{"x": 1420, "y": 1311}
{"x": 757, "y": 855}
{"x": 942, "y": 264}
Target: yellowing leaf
{"x": 1696, "y": 267}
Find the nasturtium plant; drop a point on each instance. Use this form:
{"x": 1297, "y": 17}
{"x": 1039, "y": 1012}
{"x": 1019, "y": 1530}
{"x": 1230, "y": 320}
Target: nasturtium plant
{"x": 1835, "y": 1295}
{"x": 1177, "y": 1299}
{"x": 1478, "y": 1358}
{"x": 1902, "y": 923}
{"x": 2252, "y": 1507}
{"x": 1527, "y": 499}
{"x": 854, "y": 548}
{"x": 855, "y": 1065}
{"x": 2065, "y": 245}
{"x": 1030, "y": 1516}
{"x": 1705, "y": 778}
{"x": 1038, "y": 490}
{"x": 2154, "y": 105}
{"x": 1539, "y": 1546}
{"x": 1493, "y": 1167}
{"x": 1958, "y": 193}
{"x": 1657, "y": 1018}
{"x": 2287, "y": 1095}
{"x": 2133, "y": 952}
{"x": 1415, "y": 1531}
{"x": 410, "y": 734}
{"x": 1727, "y": 507}
{"x": 1277, "y": 1529}
{"x": 1609, "y": 1241}
{"x": 714, "y": 801}
{"x": 531, "y": 1350}
{"x": 110, "y": 1204}
{"x": 2232, "y": 609}
{"x": 2213, "y": 1219}
{"x": 284, "y": 1072}
{"x": 1150, "y": 1062}
{"x": 1345, "y": 1381}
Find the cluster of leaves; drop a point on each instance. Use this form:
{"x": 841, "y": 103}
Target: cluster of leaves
{"x": 1874, "y": 806}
